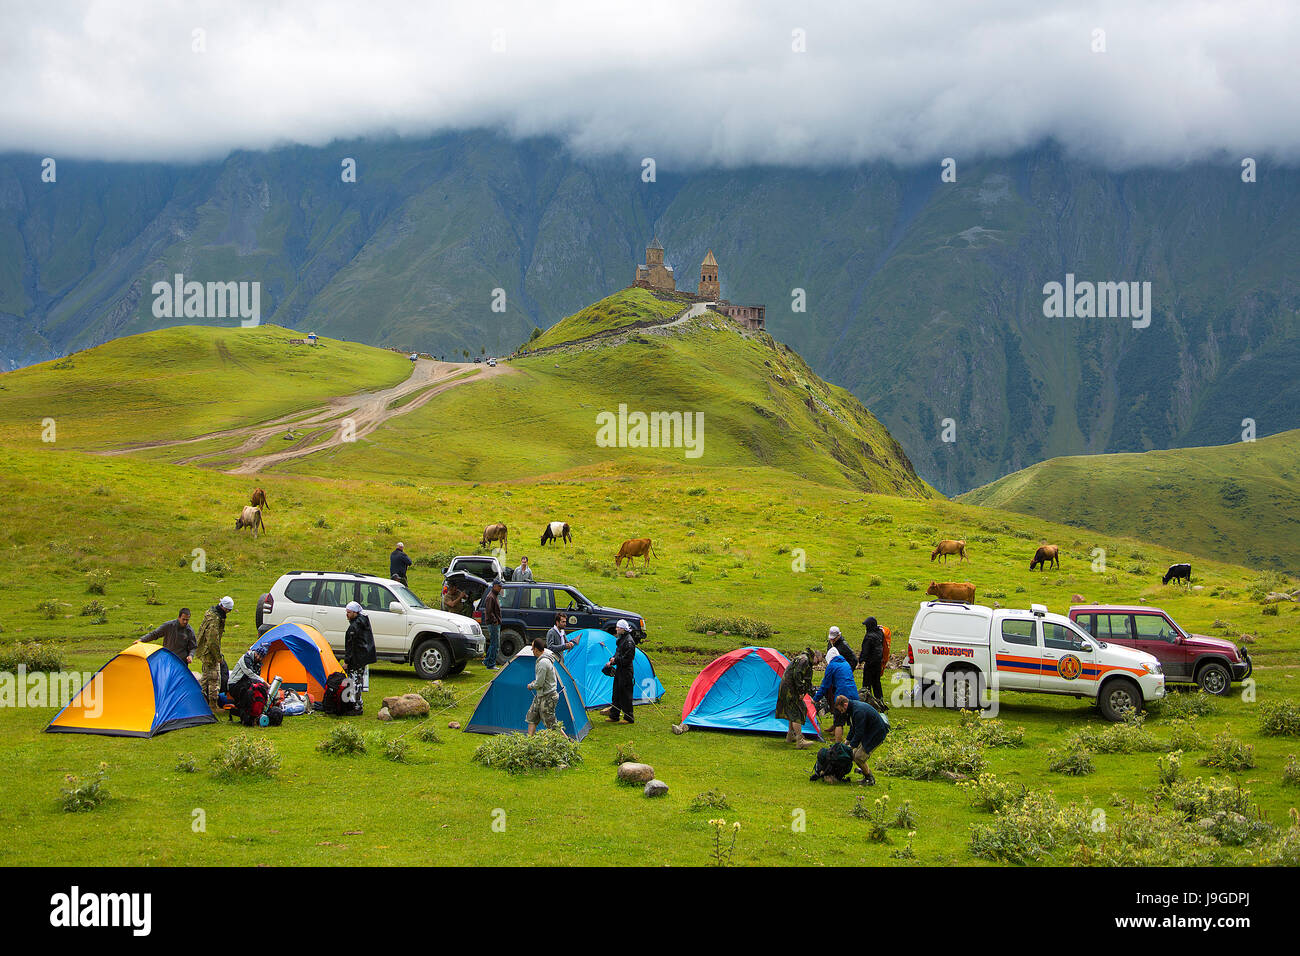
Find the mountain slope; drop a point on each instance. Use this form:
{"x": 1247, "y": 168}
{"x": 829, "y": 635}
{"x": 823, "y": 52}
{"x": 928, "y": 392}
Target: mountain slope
{"x": 1238, "y": 503}
{"x": 922, "y": 298}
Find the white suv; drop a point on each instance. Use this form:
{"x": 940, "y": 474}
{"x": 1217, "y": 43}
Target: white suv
{"x": 439, "y": 644}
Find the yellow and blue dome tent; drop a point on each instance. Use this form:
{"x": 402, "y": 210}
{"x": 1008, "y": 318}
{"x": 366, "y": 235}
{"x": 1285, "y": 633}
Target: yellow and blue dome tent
{"x": 144, "y": 691}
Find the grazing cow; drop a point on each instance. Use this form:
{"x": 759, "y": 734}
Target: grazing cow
{"x": 1045, "y": 557}
{"x": 495, "y": 532}
{"x": 633, "y": 548}
{"x": 1178, "y": 572}
{"x": 946, "y": 548}
{"x": 258, "y": 499}
{"x": 557, "y": 531}
{"x": 250, "y": 517}
{"x": 953, "y": 591}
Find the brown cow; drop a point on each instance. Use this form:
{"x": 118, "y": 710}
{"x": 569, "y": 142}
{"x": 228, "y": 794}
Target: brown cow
{"x": 495, "y": 532}
{"x": 258, "y": 499}
{"x": 946, "y": 548}
{"x": 1045, "y": 556}
{"x": 250, "y": 517}
{"x": 633, "y": 548}
{"x": 953, "y": 591}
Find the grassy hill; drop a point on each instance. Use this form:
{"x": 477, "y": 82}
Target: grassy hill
{"x": 1238, "y": 502}
{"x": 748, "y": 550}
{"x": 623, "y": 308}
{"x": 182, "y": 382}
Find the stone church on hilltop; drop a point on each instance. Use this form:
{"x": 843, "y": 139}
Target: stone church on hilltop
{"x": 653, "y": 274}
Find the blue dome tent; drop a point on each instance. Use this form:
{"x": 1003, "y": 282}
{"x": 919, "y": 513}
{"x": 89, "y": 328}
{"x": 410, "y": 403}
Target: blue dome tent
{"x": 505, "y": 705}
{"x": 593, "y": 650}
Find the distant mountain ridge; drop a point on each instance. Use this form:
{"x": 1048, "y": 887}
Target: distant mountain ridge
{"x": 923, "y": 298}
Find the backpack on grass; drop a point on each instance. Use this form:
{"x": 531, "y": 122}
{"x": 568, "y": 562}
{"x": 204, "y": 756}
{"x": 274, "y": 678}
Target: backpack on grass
{"x": 884, "y": 649}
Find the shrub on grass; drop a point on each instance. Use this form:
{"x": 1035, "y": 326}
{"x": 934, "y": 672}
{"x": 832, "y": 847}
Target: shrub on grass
{"x": 991, "y": 731}
{"x": 1169, "y": 769}
{"x": 428, "y": 733}
{"x": 1185, "y": 735}
{"x": 1219, "y": 809}
{"x": 1291, "y": 772}
{"x": 1270, "y": 610}
{"x": 1197, "y": 704}
{"x": 246, "y": 755}
{"x": 398, "y": 750}
{"x": 876, "y": 816}
{"x": 911, "y": 585}
{"x": 87, "y": 794}
{"x": 97, "y": 580}
{"x": 517, "y": 753}
{"x": 1036, "y": 829}
{"x": 343, "y": 740}
{"x": 187, "y": 763}
{"x": 755, "y": 630}
{"x": 48, "y": 609}
{"x": 875, "y": 582}
{"x": 96, "y": 611}
{"x": 31, "y": 655}
{"x": 1281, "y": 719}
{"x": 1285, "y": 851}
{"x": 1229, "y": 753}
{"x": 625, "y": 753}
{"x": 1127, "y": 737}
{"x": 709, "y": 800}
{"x": 932, "y": 753}
{"x": 439, "y": 695}
{"x": 1073, "y": 761}
{"x": 151, "y": 594}
{"x": 990, "y": 794}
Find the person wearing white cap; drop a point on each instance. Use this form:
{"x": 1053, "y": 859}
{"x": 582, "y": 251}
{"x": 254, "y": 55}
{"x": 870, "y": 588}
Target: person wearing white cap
{"x": 398, "y": 562}
{"x": 210, "y": 633}
{"x": 834, "y": 639}
{"x": 358, "y": 650}
{"x": 622, "y": 662}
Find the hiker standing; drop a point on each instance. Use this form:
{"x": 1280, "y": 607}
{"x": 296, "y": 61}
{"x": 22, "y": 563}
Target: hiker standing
{"x": 836, "y": 640}
{"x": 791, "y": 705}
{"x": 523, "y": 572}
{"x": 837, "y": 683}
{"x": 872, "y": 657}
{"x": 177, "y": 636}
{"x": 210, "y": 633}
{"x": 867, "y": 730}
{"x": 491, "y": 608}
{"x": 556, "y": 640}
{"x": 623, "y": 660}
{"x": 398, "y": 562}
{"x": 546, "y": 690}
{"x": 358, "y": 649}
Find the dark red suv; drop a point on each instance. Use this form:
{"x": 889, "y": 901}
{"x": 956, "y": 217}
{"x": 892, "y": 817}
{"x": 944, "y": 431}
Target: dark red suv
{"x": 1210, "y": 662}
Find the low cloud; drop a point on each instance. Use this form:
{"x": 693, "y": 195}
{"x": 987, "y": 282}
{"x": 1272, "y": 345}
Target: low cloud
{"x": 690, "y": 84}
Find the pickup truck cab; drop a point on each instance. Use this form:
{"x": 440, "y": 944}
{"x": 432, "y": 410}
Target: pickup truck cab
{"x": 969, "y": 648}
{"x": 1210, "y": 662}
{"x": 406, "y": 631}
{"x": 528, "y": 610}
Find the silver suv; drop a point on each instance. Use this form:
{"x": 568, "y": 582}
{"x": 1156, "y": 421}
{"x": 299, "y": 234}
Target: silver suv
{"x": 406, "y": 630}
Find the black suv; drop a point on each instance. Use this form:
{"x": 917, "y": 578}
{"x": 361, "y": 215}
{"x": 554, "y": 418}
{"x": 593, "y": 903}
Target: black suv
{"x": 528, "y": 610}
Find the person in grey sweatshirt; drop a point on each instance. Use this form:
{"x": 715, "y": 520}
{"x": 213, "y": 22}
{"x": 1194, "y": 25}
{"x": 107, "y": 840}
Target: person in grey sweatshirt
{"x": 546, "y": 690}
{"x": 557, "y": 642}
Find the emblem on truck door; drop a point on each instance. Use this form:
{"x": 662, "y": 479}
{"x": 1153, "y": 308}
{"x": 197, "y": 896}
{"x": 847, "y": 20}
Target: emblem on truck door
{"x": 1069, "y": 667}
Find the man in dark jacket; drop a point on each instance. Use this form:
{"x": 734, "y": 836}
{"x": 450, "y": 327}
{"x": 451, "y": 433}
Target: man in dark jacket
{"x": 177, "y": 636}
{"x": 836, "y": 640}
{"x": 358, "y": 648}
{"x": 491, "y": 608}
{"x": 873, "y": 652}
{"x": 398, "y": 562}
{"x": 867, "y": 730}
{"x": 623, "y": 660}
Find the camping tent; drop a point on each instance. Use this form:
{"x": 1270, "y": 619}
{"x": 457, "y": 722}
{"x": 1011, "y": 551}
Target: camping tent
{"x": 593, "y": 650}
{"x": 505, "y": 705}
{"x": 300, "y": 657}
{"x": 738, "y": 692}
{"x": 144, "y": 691}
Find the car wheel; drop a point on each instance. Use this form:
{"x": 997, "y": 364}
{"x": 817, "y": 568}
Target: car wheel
{"x": 1120, "y": 698}
{"x": 512, "y": 642}
{"x": 1214, "y": 678}
{"x": 961, "y": 689}
{"x": 432, "y": 660}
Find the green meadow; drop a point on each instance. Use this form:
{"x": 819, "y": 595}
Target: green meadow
{"x": 781, "y": 522}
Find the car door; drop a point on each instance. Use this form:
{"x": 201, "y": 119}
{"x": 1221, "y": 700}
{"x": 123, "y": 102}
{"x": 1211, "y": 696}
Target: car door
{"x": 540, "y": 612}
{"x": 1153, "y": 633}
{"x": 390, "y": 630}
{"x": 1017, "y": 657}
{"x": 330, "y": 614}
{"x": 1069, "y": 660}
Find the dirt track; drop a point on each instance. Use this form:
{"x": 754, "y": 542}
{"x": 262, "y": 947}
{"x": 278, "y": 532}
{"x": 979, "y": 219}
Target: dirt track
{"x": 366, "y": 410}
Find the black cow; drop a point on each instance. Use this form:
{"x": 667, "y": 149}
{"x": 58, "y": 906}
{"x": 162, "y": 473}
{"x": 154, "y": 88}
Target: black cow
{"x": 1178, "y": 572}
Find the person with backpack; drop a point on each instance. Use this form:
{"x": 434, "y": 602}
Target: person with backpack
{"x": 795, "y": 686}
{"x": 210, "y": 634}
{"x": 245, "y": 686}
{"x": 358, "y": 650}
{"x": 837, "y": 683}
{"x": 868, "y": 728}
{"x": 545, "y": 687}
{"x": 873, "y": 661}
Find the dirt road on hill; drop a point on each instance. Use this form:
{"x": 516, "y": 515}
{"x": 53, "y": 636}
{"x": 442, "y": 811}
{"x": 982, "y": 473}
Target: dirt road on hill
{"x": 366, "y": 411}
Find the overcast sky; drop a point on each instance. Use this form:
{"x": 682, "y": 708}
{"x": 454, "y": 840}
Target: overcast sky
{"x": 689, "y": 83}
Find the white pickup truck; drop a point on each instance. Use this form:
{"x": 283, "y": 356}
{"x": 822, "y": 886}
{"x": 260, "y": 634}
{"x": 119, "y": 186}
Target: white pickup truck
{"x": 968, "y": 648}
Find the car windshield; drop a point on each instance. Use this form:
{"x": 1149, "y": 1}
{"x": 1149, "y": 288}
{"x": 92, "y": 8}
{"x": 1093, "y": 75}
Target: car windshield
{"x": 406, "y": 594}
{"x": 576, "y": 599}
